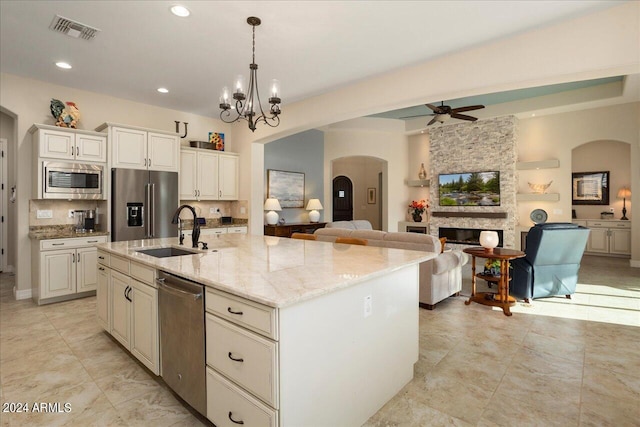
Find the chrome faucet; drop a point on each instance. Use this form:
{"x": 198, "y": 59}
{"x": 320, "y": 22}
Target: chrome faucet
{"x": 196, "y": 227}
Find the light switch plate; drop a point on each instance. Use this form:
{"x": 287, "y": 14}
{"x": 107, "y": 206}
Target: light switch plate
{"x": 44, "y": 214}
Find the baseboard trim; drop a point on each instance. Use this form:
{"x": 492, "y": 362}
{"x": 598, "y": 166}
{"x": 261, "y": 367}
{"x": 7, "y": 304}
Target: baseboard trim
{"x": 634, "y": 263}
{"x": 23, "y": 294}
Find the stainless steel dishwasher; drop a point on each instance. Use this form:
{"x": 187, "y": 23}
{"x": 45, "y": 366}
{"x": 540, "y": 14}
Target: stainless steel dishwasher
{"x": 182, "y": 347}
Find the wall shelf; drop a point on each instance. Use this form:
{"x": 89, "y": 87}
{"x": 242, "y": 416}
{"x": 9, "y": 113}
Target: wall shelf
{"x": 536, "y": 197}
{"x": 542, "y": 164}
{"x": 418, "y": 183}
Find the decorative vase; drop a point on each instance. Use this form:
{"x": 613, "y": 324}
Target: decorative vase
{"x": 417, "y": 217}
{"x": 489, "y": 240}
{"x": 422, "y": 174}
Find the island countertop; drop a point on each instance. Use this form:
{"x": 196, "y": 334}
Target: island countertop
{"x": 274, "y": 271}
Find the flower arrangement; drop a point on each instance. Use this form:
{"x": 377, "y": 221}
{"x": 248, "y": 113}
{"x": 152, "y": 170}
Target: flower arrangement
{"x": 491, "y": 263}
{"x": 418, "y": 208}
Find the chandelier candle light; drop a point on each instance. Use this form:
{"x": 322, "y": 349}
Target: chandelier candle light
{"x": 272, "y": 205}
{"x": 314, "y": 206}
{"x": 249, "y": 105}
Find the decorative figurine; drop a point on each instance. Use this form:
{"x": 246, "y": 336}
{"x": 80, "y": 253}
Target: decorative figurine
{"x": 66, "y": 116}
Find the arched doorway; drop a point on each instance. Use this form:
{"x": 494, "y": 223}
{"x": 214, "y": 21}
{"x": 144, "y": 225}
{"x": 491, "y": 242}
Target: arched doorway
{"x": 342, "y": 189}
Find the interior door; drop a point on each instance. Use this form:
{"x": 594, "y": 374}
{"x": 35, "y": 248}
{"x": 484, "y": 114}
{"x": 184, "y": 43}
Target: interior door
{"x": 342, "y": 199}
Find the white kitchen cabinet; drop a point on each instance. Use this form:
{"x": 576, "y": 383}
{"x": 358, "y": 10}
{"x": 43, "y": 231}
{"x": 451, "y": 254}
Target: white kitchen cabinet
{"x": 121, "y": 310}
{"x": 207, "y": 175}
{"x": 64, "y": 268}
{"x": 609, "y": 237}
{"x": 53, "y": 142}
{"x": 128, "y": 307}
{"x": 103, "y": 294}
{"x": 140, "y": 148}
{"x": 144, "y": 324}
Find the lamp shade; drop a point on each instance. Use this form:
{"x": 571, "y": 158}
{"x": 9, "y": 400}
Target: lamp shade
{"x": 272, "y": 205}
{"x": 489, "y": 240}
{"x": 314, "y": 204}
{"x": 623, "y": 193}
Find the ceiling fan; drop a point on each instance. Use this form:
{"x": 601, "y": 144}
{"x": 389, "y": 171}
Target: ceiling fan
{"x": 443, "y": 112}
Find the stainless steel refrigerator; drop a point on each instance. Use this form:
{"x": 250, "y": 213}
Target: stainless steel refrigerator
{"x": 142, "y": 204}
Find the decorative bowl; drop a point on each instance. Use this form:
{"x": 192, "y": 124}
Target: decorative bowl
{"x": 539, "y": 188}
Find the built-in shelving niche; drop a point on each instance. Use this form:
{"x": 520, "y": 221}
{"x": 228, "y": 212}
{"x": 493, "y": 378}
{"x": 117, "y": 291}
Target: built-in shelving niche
{"x": 418, "y": 182}
{"x": 536, "y": 197}
{"x": 541, "y": 164}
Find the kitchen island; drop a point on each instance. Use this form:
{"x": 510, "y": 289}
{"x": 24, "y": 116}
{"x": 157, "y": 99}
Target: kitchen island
{"x": 331, "y": 329}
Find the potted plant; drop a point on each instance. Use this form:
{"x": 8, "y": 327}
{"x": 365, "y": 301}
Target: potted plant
{"x": 417, "y": 208}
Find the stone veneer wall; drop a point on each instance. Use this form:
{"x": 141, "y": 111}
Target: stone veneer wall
{"x": 481, "y": 146}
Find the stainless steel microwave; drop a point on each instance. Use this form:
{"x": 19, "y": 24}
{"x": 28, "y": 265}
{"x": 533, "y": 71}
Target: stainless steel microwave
{"x": 72, "y": 180}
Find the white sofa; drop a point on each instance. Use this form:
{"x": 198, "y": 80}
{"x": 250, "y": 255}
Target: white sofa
{"x": 440, "y": 277}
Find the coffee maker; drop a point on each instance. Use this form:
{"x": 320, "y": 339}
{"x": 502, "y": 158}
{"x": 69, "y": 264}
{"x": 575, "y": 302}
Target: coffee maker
{"x": 85, "y": 220}
{"x": 90, "y": 220}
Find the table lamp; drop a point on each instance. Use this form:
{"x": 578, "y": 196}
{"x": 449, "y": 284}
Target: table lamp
{"x": 624, "y": 193}
{"x": 489, "y": 240}
{"x": 314, "y": 206}
{"x": 272, "y": 205}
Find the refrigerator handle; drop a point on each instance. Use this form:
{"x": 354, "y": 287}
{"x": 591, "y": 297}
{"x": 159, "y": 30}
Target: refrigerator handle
{"x": 147, "y": 202}
{"x": 152, "y": 212}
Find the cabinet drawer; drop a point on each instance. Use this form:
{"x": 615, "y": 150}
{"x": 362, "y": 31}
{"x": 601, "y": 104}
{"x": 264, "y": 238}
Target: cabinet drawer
{"x": 119, "y": 263}
{"x": 254, "y": 316}
{"x": 74, "y": 242}
{"x": 225, "y": 401}
{"x": 243, "y": 356}
{"x": 143, "y": 273}
{"x": 625, "y": 225}
{"x": 103, "y": 258}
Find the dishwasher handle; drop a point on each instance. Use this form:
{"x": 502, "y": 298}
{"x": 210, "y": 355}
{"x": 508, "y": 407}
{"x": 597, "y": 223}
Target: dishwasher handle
{"x": 173, "y": 289}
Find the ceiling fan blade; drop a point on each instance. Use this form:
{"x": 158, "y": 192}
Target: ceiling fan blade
{"x": 468, "y": 108}
{"x": 434, "y": 108}
{"x": 435, "y": 119}
{"x": 463, "y": 117}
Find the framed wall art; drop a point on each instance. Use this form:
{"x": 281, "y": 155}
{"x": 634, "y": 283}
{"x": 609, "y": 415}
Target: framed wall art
{"x": 590, "y": 188}
{"x": 371, "y": 196}
{"x": 287, "y": 187}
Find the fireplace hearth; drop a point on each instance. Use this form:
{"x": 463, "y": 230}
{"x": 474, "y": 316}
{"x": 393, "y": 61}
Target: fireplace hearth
{"x": 466, "y": 236}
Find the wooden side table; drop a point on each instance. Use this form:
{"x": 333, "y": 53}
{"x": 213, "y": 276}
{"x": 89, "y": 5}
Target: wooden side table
{"x": 286, "y": 230}
{"x": 502, "y": 298}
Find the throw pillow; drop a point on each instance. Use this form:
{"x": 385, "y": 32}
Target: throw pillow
{"x": 443, "y": 240}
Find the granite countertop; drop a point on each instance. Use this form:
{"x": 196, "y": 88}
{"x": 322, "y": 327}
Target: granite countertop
{"x": 59, "y": 232}
{"x": 274, "y": 271}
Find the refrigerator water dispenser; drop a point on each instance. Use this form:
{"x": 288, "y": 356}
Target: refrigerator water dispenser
{"x": 134, "y": 215}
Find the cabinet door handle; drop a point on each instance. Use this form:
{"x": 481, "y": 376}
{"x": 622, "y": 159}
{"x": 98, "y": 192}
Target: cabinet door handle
{"x": 101, "y": 268}
{"x": 239, "y": 313}
{"x": 78, "y": 258}
{"x": 77, "y": 151}
{"x": 145, "y": 162}
{"x": 234, "y": 359}
{"x": 149, "y": 161}
{"x": 73, "y": 258}
{"x": 92, "y": 241}
{"x": 57, "y": 244}
{"x": 234, "y": 421}
{"x": 219, "y": 193}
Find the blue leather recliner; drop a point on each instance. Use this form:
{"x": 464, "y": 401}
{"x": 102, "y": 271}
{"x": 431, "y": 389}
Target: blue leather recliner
{"x": 550, "y": 267}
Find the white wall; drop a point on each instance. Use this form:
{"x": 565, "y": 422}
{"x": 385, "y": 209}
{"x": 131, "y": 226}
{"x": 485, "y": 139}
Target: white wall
{"x": 363, "y": 173}
{"x": 602, "y": 44}
{"x": 367, "y": 137}
{"x": 555, "y": 136}
{"x": 418, "y": 153}
{"x": 612, "y": 156}
{"x": 29, "y": 100}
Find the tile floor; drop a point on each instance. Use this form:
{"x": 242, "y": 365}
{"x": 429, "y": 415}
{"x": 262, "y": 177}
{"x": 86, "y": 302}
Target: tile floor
{"x": 554, "y": 362}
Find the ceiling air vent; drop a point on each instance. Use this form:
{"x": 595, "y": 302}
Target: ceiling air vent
{"x": 71, "y": 28}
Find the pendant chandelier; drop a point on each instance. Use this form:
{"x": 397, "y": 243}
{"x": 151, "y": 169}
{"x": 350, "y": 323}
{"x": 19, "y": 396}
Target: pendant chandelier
{"x": 248, "y": 105}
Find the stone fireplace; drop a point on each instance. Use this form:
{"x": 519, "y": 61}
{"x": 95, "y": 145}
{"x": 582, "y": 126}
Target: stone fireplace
{"x": 484, "y": 145}
{"x": 466, "y": 236}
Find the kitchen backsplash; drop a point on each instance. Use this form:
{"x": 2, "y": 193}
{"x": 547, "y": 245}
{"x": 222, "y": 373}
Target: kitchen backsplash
{"x": 60, "y": 211}
{"x": 203, "y": 209}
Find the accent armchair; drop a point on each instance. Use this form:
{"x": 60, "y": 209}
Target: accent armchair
{"x": 550, "y": 267}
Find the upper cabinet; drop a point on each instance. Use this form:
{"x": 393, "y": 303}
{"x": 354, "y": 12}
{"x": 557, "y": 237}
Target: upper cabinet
{"x": 139, "y": 148}
{"x": 208, "y": 175}
{"x": 69, "y": 144}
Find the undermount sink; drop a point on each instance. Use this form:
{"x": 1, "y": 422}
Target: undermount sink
{"x": 166, "y": 252}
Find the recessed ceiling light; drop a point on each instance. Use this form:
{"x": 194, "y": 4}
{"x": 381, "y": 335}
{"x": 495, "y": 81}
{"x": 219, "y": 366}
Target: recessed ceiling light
{"x": 63, "y": 65}
{"x": 180, "y": 11}
{"x": 533, "y": 114}
{"x": 163, "y": 90}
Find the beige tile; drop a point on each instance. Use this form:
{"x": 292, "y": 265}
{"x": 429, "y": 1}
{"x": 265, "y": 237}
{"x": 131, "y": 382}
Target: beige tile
{"x": 126, "y": 384}
{"x": 597, "y": 380}
{"x": 556, "y": 347}
{"x": 158, "y": 408}
{"x": 600, "y": 410}
{"x": 38, "y": 361}
{"x": 17, "y": 345}
{"x": 108, "y": 363}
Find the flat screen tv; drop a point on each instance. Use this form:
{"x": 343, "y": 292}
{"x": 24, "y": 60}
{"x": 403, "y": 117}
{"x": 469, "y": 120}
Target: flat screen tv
{"x": 469, "y": 189}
